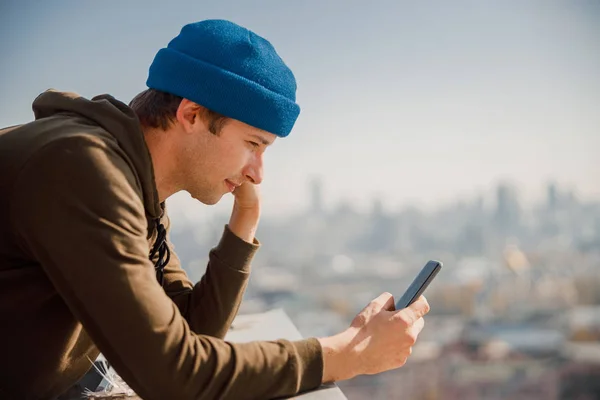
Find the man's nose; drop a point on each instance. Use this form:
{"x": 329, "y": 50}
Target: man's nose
{"x": 254, "y": 169}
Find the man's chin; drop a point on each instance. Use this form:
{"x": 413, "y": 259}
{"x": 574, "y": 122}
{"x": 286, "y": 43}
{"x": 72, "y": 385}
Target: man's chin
{"x": 208, "y": 200}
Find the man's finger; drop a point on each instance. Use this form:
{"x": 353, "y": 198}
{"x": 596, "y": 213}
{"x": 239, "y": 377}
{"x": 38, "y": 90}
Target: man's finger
{"x": 420, "y": 307}
{"x": 385, "y": 301}
{"x": 417, "y": 327}
{"x": 415, "y": 311}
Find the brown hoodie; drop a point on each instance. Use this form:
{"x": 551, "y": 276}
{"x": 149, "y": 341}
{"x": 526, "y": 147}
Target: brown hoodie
{"x": 77, "y": 208}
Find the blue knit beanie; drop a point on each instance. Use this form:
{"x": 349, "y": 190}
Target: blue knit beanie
{"x": 230, "y": 70}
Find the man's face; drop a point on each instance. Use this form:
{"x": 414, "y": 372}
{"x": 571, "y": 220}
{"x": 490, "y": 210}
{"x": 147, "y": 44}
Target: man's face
{"x": 215, "y": 164}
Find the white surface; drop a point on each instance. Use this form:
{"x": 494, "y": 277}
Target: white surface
{"x": 273, "y": 325}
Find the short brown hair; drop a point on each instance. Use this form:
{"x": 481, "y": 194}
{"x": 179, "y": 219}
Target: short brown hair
{"x": 157, "y": 109}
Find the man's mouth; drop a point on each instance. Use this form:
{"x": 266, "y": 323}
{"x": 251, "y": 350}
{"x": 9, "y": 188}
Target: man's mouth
{"x": 231, "y": 185}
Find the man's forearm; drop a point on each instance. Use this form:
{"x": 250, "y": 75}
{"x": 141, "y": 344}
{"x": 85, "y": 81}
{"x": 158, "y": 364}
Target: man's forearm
{"x": 222, "y": 286}
{"x": 219, "y": 293}
{"x": 244, "y": 222}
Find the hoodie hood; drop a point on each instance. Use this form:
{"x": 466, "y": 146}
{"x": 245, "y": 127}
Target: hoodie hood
{"x": 118, "y": 120}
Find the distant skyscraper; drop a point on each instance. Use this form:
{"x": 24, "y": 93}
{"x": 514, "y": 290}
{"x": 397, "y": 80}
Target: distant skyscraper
{"x": 507, "y": 215}
{"x": 552, "y": 196}
{"x": 316, "y": 195}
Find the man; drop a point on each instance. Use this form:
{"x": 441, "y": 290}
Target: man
{"x": 85, "y": 262}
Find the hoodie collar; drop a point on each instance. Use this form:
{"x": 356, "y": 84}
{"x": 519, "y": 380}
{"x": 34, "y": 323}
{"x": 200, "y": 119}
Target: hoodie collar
{"x": 118, "y": 120}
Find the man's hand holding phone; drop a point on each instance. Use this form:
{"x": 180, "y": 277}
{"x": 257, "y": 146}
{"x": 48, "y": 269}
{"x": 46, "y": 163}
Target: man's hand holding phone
{"x": 379, "y": 339}
{"x": 382, "y": 335}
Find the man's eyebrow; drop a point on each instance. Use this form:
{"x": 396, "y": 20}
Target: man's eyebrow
{"x": 260, "y": 139}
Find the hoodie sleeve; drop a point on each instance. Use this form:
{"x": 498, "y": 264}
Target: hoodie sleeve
{"x": 211, "y": 304}
{"x": 79, "y": 213}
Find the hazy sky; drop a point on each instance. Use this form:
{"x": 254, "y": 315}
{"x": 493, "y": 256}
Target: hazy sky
{"x": 416, "y": 102}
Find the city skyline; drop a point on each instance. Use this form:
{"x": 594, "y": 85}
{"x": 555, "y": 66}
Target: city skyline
{"x": 185, "y": 210}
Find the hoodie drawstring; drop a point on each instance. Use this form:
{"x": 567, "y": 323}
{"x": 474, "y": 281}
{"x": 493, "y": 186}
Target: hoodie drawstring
{"x": 160, "y": 246}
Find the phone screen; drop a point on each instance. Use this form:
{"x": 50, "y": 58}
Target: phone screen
{"x": 418, "y": 286}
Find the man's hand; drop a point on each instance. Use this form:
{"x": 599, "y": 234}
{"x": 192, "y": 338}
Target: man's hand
{"x": 379, "y": 339}
{"x": 247, "y": 196}
{"x": 246, "y": 211}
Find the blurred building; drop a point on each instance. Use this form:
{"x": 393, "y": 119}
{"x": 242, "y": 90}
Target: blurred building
{"x": 508, "y": 211}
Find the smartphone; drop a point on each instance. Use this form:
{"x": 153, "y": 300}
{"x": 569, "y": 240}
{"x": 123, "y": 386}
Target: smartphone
{"x": 418, "y": 286}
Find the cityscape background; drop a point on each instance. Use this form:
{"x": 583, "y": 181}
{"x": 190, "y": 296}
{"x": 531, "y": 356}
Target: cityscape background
{"x": 515, "y": 310}
{"x": 464, "y": 131}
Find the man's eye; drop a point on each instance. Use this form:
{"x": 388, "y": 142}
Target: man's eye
{"x": 254, "y": 144}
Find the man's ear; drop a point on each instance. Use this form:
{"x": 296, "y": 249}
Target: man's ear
{"x": 188, "y": 115}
